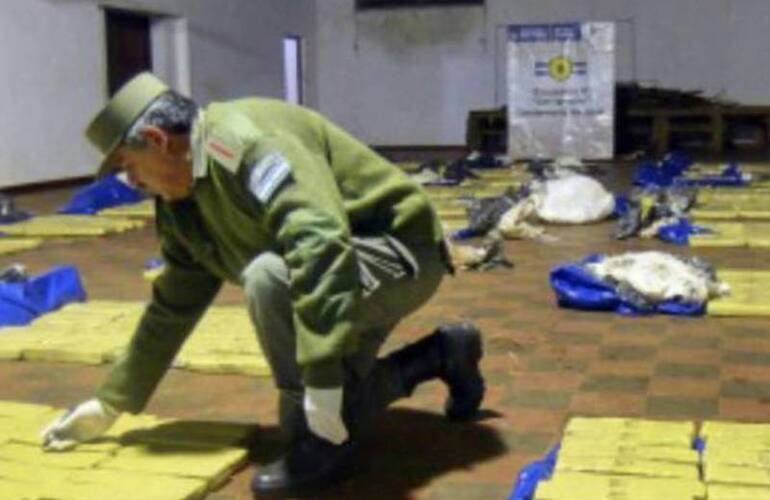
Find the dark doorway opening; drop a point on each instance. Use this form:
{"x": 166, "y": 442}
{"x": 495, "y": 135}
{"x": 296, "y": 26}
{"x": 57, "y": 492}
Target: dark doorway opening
{"x": 129, "y": 50}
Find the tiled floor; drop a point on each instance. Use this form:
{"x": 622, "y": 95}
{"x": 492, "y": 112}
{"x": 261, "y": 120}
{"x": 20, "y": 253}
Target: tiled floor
{"x": 543, "y": 364}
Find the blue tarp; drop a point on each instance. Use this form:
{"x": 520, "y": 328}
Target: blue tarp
{"x": 662, "y": 174}
{"x": 576, "y": 288}
{"x": 22, "y": 302}
{"x": 670, "y": 171}
{"x": 529, "y": 477}
{"x": 101, "y": 194}
{"x": 731, "y": 176}
{"x": 679, "y": 233}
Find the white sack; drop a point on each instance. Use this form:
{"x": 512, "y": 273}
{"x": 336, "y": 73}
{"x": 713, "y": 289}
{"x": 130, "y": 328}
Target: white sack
{"x": 575, "y": 199}
{"x": 659, "y": 277}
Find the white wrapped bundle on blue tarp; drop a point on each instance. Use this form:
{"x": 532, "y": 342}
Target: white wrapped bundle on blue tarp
{"x": 638, "y": 283}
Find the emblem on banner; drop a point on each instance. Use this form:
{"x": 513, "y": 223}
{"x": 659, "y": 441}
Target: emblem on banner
{"x": 560, "y": 68}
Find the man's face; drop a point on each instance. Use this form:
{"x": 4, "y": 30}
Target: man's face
{"x": 156, "y": 170}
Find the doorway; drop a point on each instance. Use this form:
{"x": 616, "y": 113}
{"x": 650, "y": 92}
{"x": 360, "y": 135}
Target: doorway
{"x": 129, "y": 50}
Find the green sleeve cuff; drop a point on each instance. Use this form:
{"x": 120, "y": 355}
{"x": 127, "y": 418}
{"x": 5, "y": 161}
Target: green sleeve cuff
{"x": 325, "y": 374}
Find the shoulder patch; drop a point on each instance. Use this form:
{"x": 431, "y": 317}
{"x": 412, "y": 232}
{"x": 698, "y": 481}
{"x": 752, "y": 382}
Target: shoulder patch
{"x": 228, "y": 136}
{"x": 228, "y": 154}
{"x": 268, "y": 175}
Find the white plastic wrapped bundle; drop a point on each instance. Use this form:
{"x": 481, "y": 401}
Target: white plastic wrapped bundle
{"x": 575, "y": 199}
{"x": 659, "y": 277}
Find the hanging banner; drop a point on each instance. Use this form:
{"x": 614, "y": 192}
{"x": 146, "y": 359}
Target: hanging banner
{"x": 561, "y": 90}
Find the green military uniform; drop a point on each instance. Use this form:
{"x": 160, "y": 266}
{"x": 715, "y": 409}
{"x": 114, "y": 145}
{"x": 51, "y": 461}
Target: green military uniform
{"x": 282, "y": 194}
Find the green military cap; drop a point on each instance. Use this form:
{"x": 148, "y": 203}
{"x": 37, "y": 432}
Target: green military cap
{"x": 109, "y": 126}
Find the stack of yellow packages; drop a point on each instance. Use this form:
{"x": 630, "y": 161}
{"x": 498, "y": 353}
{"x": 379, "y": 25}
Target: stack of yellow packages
{"x": 625, "y": 459}
{"x": 13, "y": 245}
{"x": 140, "y": 457}
{"x": 49, "y": 226}
{"x": 749, "y": 294}
{"x": 97, "y": 332}
{"x": 736, "y": 462}
{"x": 142, "y": 209}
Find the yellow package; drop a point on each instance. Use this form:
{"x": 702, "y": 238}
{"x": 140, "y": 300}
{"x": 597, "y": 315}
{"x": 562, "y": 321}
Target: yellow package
{"x": 726, "y": 428}
{"x": 144, "y": 208}
{"x": 13, "y": 245}
{"x": 714, "y": 472}
{"x": 617, "y": 425}
{"x": 89, "y": 484}
{"x": 629, "y": 466}
{"x": 580, "y": 486}
{"x": 86, "y": 353}
{"x": 629, "y": 432}
{"x": 725, "y": 234}
{"x": 739, "y": 456}
{"x": 733, "y": 492}
{"x": 35, "y": 456}
{"x": 13, "y": 340}
{"x": 213, "y": 464}
{"x": 572, "y": 449}
{"x": 63, "y": 484}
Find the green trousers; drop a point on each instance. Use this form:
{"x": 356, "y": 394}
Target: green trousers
{"x": 396, "y": 280}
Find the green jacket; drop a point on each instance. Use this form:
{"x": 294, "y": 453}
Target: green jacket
{"x": 271, "y": 177}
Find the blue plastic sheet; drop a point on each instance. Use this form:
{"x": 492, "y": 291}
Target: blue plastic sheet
{"x": 662, "y": 174}
{"x": 529, "y": 477}
{"x": 679, "y": 233}
{"x": 670, "y": 170}
{"x": 576, "y": 288}
{"x": 731, "y": 176}
{"x": 101, "y": 194}
{"x": 622, "y": 206}
{"x": 22, "y": 302}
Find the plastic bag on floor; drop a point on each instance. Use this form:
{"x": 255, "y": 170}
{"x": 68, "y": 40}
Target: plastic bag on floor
{"x": 649, "y": 209}
{"x": 485, "y": 213}
{"x": 513, "y": 224}
{"x": 575, "y": 199}
{"x": 23, "y": 301}
{"x": 650, "y": 174}
{"x": 679, "y": 231}
{"x": 489, "y": 255}
{"x": 638, "y": 283}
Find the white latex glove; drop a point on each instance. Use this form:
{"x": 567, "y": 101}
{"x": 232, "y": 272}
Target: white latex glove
{"x": 323, "y": 409}
{"x": 86, "y": 421}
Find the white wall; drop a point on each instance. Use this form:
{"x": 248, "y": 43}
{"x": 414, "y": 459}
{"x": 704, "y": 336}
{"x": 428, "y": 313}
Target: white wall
{"x": 54, "y": 71}
{"x": 410, "y": 76}
{"x": 403, "y": 76}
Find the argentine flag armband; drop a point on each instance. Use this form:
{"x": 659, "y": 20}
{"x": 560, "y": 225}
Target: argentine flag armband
{"x": 267, "y": 175}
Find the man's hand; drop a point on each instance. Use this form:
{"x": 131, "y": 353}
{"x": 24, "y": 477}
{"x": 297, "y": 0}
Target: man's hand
{"x": 323, "y": 409}
{"x": 84, "y": 422}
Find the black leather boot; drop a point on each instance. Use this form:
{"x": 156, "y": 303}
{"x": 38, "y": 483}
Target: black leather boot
{"x": 452, "y": 354}
{"x": 309, "y": 466}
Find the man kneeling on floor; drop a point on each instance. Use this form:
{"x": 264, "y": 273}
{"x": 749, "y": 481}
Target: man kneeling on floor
{"x": 332, "y": 244}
